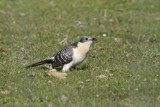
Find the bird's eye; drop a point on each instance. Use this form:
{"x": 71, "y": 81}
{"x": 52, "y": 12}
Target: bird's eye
{"x": 86, "y": 38}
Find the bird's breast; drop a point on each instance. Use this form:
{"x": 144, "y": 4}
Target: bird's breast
{"x": 78, "y": 56}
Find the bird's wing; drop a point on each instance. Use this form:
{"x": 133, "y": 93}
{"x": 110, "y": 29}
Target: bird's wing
{"x": 64, "y": 56}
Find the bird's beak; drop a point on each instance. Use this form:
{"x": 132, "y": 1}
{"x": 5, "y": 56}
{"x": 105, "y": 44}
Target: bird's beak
{"x": 94, "y": 39}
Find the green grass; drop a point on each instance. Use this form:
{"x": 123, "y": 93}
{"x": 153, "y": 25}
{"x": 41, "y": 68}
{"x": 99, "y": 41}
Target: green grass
{"x": 31, "y": 30}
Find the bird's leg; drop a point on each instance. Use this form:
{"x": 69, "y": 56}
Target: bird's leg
{"x": 50, "y": 67}
{"x": 66, "y": 67}
{"x": 74, "y": 68}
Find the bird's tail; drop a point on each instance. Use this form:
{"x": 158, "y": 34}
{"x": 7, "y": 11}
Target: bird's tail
{"x": 46, "y": 61}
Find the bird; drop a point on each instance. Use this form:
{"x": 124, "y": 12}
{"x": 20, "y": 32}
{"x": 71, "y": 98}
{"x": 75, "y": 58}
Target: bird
{"x": 69, "y": 56}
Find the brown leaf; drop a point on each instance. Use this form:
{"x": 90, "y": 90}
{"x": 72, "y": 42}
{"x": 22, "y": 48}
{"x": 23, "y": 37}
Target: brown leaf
{"x": 3, "y": 50}
{"x": 59, "y": 75}
{"x": 50, "y": 104}
{"x": 5, "y": 92}
{"x": 101, "y": 76}
{"x": 63, "y": 98}
{"x": 117, "y": 40}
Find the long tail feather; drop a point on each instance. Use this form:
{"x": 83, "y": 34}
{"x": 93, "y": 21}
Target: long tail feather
{"x": 46, "y": 61}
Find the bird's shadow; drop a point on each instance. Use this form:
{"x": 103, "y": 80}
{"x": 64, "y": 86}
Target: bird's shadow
{"x": 79, "y": 68}
{"x": 47, "y": 68}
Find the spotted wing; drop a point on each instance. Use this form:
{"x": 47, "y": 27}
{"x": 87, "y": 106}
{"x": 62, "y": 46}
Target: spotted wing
{"x": 64, "y": 56}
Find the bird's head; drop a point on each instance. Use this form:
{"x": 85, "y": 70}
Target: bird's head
{"x": 85, "y": 43}
{"x": 87, "y": 39}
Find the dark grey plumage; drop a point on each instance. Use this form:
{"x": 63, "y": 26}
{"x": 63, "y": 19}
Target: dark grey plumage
{"x": 62, "y": 57}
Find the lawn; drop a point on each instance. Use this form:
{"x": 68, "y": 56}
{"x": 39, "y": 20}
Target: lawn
{"x": 121, "y": 70}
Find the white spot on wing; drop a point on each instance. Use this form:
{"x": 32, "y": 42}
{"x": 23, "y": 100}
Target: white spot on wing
{"x": 52, "y": 58}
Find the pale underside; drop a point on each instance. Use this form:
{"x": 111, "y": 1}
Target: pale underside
{"x": 79, "y": 54}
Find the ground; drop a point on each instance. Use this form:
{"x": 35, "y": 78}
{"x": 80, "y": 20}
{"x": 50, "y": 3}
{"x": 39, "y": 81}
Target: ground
{"x": 121, "y": 70}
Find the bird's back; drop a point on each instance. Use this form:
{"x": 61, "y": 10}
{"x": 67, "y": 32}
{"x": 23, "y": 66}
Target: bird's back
{"x": 64, "y": 56}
